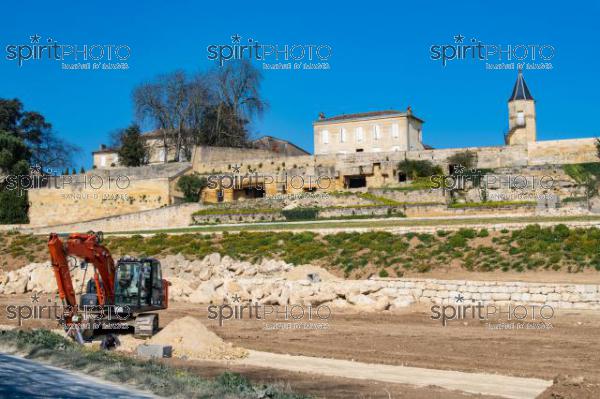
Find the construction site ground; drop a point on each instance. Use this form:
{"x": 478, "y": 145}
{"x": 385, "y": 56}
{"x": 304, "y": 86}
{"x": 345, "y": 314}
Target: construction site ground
{"x": 411, "y": 338}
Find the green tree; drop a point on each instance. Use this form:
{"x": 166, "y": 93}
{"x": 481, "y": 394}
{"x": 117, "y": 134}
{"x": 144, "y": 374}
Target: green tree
{"x": 14, "y": 156}
{"x": 191, "y": 186}
{"x": 132, "y": 149}
{"x": 466, "y": 159}
{"x": 598, "y": 147}
{"x": 44, "y": 148}
{"x": 25, "y": 139}
{"x": 414, "y": 169}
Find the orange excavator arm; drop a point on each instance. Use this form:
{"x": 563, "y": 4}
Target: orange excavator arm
{"x": 87, "y": 247}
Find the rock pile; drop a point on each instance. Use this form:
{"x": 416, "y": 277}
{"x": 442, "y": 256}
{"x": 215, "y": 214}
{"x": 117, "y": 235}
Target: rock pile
{"x": 37, "y": 277}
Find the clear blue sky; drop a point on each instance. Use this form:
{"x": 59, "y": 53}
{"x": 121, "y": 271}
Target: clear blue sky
{"x": 380, "y": 60}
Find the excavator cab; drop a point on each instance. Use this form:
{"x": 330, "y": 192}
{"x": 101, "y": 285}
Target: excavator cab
{"x": 139, "y": 284}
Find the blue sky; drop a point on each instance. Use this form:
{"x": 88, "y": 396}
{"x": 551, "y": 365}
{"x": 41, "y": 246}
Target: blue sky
{"x": 381, "y": 60}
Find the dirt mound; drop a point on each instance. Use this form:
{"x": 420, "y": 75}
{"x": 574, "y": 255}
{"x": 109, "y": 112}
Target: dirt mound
{"x": 190, "y": 338}
{"x": 566, "y": 387}
{"x": 301, "y": 273}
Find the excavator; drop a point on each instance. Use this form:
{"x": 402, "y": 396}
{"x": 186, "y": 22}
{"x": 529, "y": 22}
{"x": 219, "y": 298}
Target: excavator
{"x": 124, "y": 294}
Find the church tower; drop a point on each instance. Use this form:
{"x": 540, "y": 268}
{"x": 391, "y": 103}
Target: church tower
{"x": 521, "y": 114}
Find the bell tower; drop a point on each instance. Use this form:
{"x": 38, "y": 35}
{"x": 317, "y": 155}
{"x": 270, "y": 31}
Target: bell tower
{"x": 521, "y": 114}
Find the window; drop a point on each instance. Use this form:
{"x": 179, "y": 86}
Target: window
{"x": 360, "y": 150}
{"x": 395, "y": 131}
{"x": 376, "y": 132}
{"x": 520, "y": 118}
{"x": 359, "y": 134}
{"x": 395, "y": 148}
{"x": 325, "y": 137}
{"x": 161, "y": 155}
{"x": 342, "y": 135}
{"x": 103, "y": 160}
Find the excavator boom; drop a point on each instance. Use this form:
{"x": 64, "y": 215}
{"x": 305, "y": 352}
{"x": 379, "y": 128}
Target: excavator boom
{"x": 87, "y": 247}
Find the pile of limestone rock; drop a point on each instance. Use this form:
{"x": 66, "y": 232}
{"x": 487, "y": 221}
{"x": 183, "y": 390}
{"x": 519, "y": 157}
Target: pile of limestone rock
{"x": 217, "y": 279}
{"x": 38, "y": 277}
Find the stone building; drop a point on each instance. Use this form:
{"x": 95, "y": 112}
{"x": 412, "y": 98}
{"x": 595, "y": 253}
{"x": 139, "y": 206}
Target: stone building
{"x": 108, "y": 157}
{"x": 521, "y": 115}
{"x": 105, "y": 157}
{"x": 379, "y": 131}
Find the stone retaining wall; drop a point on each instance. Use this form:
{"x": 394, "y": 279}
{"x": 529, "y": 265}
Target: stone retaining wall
{"x": 166, "y": 217}
{"x": 565, "y": 296}
{"x": 233, "y": 217}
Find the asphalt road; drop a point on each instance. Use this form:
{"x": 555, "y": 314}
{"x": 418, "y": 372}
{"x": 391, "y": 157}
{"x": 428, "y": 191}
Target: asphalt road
{"x": 23, "y": 378}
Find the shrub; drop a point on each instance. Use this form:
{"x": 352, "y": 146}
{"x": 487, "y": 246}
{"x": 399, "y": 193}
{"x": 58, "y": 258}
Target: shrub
{"x": 561, "y": 231}
{"x": 383, "y": 273}
{"x": 13, "y": 207}
{"x": 466, "y": 159}
{"x": 457, "y": 241}
{"x": 191, "y": 186}
{"x": 466, "y": 233}
{"x": 418, "y": 168}
{"x": 300, "y": 213}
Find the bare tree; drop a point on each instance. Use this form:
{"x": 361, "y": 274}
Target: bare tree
{"x": 238, "y": 86}
{"x": 236, "y": 101}
{"x": 211, "y": 109}
{"x": 171, "y": 103}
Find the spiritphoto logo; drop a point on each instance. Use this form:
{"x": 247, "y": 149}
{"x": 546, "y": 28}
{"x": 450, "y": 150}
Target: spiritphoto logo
{"x": 37, "y": 179}
{"x": 287, "y": 317}
{"x": 463, "y": 179}
{"x": 106, "y": 316}
{"x": 110, "y": 56}
{"x": 272, "y": 56}
{"x": 260, "y": 181}
{"x": 496, "y": 316}
{"x": 495, "y": 56}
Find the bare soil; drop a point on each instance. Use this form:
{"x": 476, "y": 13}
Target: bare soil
{"x": 571, "y": 348}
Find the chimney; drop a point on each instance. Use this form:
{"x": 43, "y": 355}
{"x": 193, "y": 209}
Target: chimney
{"x": 409, "y": 110}
{"x": 102, "y": 146}
{"x": 321, "y": 115}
